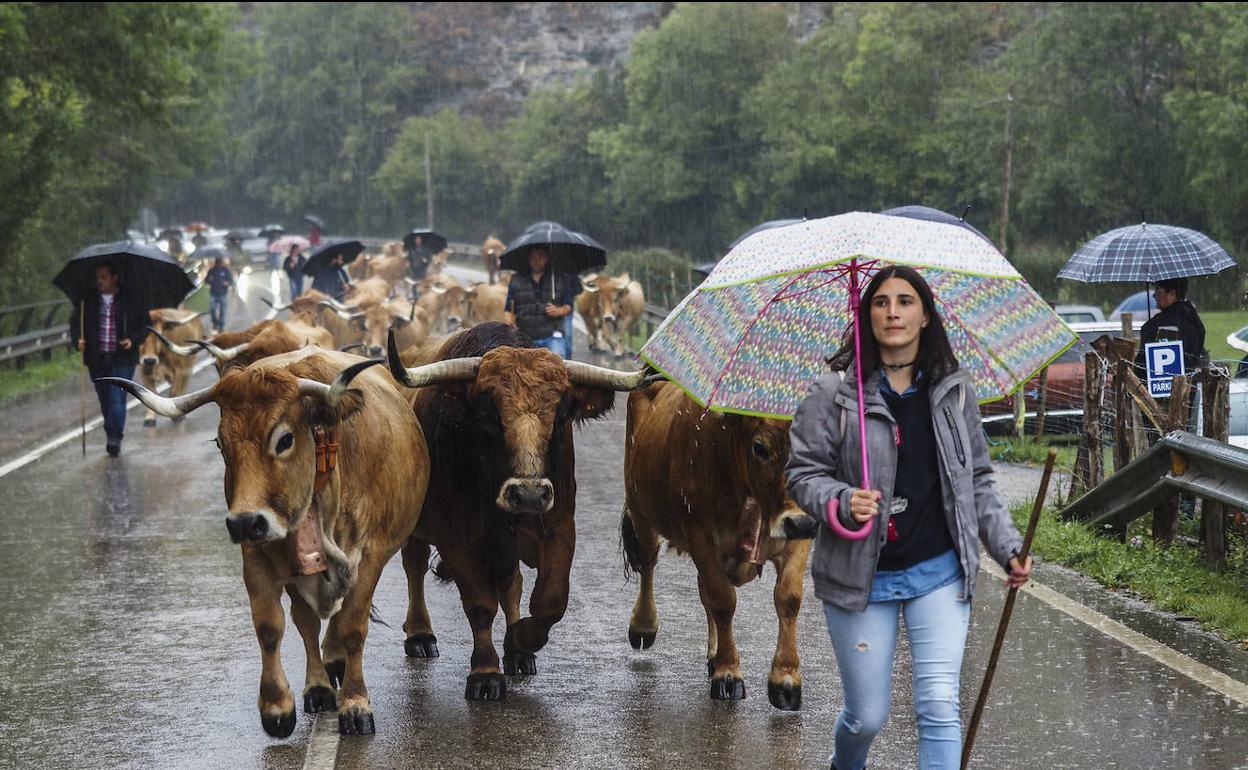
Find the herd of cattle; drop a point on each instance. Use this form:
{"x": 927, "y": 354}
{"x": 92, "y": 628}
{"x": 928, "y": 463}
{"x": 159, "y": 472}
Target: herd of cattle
{"x": 463, "y": 442}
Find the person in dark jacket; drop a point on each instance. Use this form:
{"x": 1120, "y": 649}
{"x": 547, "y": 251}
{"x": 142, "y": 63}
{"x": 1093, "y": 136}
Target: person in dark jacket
{"x": 109, "y": 326}
{"x": 933, "y": 504}
{"x": 538, "y": 301}
{"x": 1177, "y": 312}
{"x": 294, "y": 270}
{"x": 220, "y": 280}
{"x": 332, "y": 280}
{"x": 418, "y": 258}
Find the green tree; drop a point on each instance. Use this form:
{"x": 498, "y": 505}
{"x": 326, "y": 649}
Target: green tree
{"x": 679, "y": 164}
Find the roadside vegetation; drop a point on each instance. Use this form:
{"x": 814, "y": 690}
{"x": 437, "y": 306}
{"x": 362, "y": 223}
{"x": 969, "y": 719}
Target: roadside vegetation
{"x": 37, "y": 375}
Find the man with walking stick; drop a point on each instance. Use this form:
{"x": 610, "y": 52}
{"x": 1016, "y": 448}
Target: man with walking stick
{"x": 109, "y": 327}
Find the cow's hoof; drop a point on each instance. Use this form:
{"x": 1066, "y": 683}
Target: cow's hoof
{"x": 351, "y": 722}
{"x": 421, "y": 646}
{"x": 520, "y": 664}
{"x": 178, "y": 418}
{"x": 642, "y": 640}
{"x": 336, "y": 670}
{"x": 149, "y": 422}
{"x": 785, "y": 697}
{"x": 280, "y": 726}
{"x": 491, "y": 686}
{"x": 727, "y": 687}
{"x": 318, "y": 699}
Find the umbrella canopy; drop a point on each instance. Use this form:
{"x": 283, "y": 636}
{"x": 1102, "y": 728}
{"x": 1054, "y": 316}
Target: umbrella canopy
{"x": 152, "y": 277}
{"x": 235, "y": 235}
{"x": 754, "y": 336}
{"x": 705, "y": 269}
{"x": 282, "y": 245}
{"x": 319, "y": 257}
{"x": 570, "y": 251}
{"x": 271, "y": 231}
{"x": 315, "y": 221}
{"x": 170, "y": 232}
{"x": 429, "y": 240}
{"x": 197, "y": 227}
{"x": 210, "y": 252}
{"x": 929, "y": 214}
{"x": 1146, "y": 252}
{"x": 764, "y": 226}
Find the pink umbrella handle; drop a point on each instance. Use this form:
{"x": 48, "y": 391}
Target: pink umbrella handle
{"x": 834, "y": 522}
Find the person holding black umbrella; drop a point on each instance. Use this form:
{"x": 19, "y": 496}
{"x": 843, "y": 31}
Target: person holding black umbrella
{"x": 332, "y": 279}
{"x": 294, "y": 270}
{"x": 538, "y": 300}
{"x": 109, "y": 325}
{"x": 1178, "y": 313}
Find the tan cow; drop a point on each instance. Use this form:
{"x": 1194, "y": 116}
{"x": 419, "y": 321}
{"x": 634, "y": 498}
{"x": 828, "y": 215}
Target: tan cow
{"x": 491, "y": 252}
{"x": 345, "y": 323}
{"x": 444, "y": 303}
{"x": 267, "y": 338}
{"x": 159, "y": 361}
{"x": 409, "y": 322}
{"x": 366, "y": 293}
{"x": 314, "y": 439}
{"x": 391, "y": 267}
{"x": 712, "y": 485}
{"x": 486, "y": 303}
{"x": 611, "y": 307}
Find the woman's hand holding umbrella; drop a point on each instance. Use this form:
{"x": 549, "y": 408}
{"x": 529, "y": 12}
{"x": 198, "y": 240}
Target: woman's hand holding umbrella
{"x": 864, "y": 505}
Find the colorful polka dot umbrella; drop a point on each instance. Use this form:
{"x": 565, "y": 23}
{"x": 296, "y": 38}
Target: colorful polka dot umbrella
{"x": 754, "y": 336}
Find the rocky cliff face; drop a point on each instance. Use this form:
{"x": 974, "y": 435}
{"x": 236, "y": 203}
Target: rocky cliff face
{"x": 496, "y": 53}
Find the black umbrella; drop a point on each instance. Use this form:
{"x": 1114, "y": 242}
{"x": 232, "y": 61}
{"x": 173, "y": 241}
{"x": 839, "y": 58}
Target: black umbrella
{"x": 235, "y": 235}
{"x": 170, "y": 232}
{"x": 540, "y": 225}
{"x": 764, "y": 226}
{"x": 570, "y": 251}
{"x": 271, "y": 231}
{"x": 315, "y": 221}
{"x": 929, "y": 214}
{"x": 705, "y": 269}
{"x": 429, "y": 240}
{"x": 150, "y": 276}
{"x": 320, "y": 256}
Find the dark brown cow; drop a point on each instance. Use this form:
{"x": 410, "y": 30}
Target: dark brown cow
{"x": 159, "y": 359}
{"x": 712, "y": 485}
{"x": 267, "y": 338}
{"x": 502, "y": 489}
{"x": 366, "y": 505}
{"x": 491, "y": 252}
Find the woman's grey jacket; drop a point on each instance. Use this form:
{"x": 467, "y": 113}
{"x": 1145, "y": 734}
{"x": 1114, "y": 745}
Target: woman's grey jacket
{"x": 826, "y": 463}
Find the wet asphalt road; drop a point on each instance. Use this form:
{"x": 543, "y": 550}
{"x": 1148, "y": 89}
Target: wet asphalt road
{"x": 127, "y": 642}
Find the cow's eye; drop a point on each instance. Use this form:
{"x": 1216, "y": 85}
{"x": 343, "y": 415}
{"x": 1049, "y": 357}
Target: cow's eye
{"x": 760, "y": 449}
{"x": 285, "y": 442}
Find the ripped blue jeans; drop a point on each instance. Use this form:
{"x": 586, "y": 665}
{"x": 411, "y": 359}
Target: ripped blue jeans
{"x": 865, "y": 644}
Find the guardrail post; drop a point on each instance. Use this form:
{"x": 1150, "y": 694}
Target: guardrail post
{"x": 1216, "y": 403}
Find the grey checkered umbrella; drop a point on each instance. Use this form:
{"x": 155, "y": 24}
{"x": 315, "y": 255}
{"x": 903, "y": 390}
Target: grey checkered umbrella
{"x": 1146, "y": 253}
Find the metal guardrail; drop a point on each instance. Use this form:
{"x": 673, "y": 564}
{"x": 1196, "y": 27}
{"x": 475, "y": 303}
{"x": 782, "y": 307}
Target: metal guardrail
{"x": 33, "y": 330}
{"x": 1180, "y": 462}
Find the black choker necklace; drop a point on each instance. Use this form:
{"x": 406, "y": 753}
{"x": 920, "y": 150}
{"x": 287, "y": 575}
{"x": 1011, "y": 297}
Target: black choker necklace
{"x": 895, "y": 367}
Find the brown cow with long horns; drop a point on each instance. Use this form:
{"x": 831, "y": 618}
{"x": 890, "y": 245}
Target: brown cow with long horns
{"x": 502, "y": 488}
{"x": 313, "y": 439}
{"x": 159, "y": 359}
{"x": 712, "y": 485}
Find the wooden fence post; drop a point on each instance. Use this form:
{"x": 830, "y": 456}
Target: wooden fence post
{"x": 1217, "y": 395}
{"x": 1123, "y": 409}
{"x": 1166, "y": 515}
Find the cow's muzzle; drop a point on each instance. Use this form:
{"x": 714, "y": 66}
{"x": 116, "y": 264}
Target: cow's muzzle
{"x": 253, "y": 527}
{"x": 453, "y": 322}
{"x": 527, "y": 495}
{"x": 376, "y": 351}
{"x": 149, "y": 362}
{"x": 609, "y": 319}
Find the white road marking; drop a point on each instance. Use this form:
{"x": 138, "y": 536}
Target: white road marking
{"x": 322, "y": 751}
{"x": 65, "y": 438}
{"x": 1209, "y": 677}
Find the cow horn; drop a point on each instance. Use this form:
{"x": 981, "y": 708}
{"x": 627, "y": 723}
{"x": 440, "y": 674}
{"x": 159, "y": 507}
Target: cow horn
{"x": 335, "y": 304}
{"x": 412, "y": 316}
{"x": 438, "y": 288}
{"x": 278, "y": 308}
{"x": 186, "y": 320}
{"x": 598, "y": 377}
{"x": 165, "y": 407}
{"x": 349, "y": 348}
{"x": 332, "y": 394}
{"x": 182, "y": 350}
{"x": 410, "y": 281}
{"x": 589, "y": 285}
{"x": 453, "y": 370}
{"x": 589, "y": 278}
{"x": 224, "y": 356}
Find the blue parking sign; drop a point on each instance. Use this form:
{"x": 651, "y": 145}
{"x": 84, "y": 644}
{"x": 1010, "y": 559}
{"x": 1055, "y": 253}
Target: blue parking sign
{"x": 1164, "y": 360}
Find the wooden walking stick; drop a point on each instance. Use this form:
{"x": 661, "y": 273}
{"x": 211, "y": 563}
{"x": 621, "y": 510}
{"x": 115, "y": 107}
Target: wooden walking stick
{"x": 1006, "y": 610}
{"x": 82, "y": 374}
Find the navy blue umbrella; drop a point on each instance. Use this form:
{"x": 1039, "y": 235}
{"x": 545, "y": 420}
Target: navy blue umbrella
{"x": 150, "y": 276}
{"x": 570, "y": 251}
{"x": 929, "y": 214}
{"x": 1146, "y": 252}
{"x": 430, "y": 241}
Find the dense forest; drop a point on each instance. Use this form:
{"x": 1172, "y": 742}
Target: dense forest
{"x": 1082, "y": 116}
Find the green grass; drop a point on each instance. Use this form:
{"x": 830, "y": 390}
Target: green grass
{"x": 1217, "y": 326}
{"x": 1173, "y": 578}
{"x": 37, "y": 374}
{"x": 1034, "y": 451}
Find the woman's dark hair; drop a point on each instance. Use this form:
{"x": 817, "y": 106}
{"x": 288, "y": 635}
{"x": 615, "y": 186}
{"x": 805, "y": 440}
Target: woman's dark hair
{"x": 936, "y": 359}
